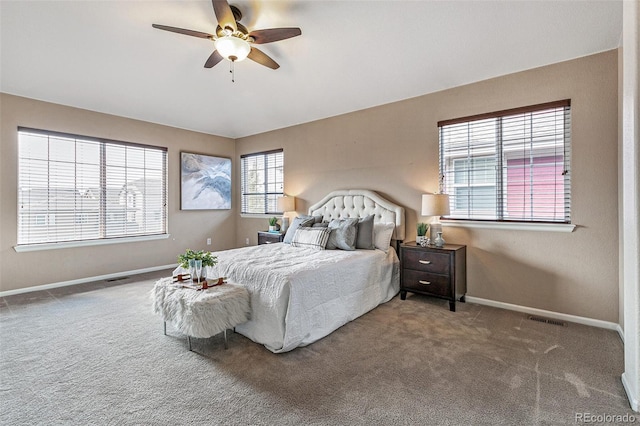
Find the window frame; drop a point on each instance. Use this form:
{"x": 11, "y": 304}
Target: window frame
{"x": 455, "y": 185}
{"x": 502, "y": 155}
{"x": 266, "y": 194}
{"x": 102, "y": 234}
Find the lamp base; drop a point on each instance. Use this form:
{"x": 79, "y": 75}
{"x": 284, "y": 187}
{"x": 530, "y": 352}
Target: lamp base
{"x": 434, "y": 228}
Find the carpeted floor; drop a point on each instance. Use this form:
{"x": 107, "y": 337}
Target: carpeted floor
{"x": 95, "y": 354}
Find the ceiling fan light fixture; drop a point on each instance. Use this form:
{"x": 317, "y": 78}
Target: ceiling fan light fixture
{"x": 232, "y": 40}
{"x": 232, "y": 48}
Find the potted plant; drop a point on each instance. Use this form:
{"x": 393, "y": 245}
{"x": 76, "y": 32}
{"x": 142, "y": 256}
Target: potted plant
{"x": 205, "y": 256}
{"x": 422, "y": 229}
{"x": 273, "y": 224}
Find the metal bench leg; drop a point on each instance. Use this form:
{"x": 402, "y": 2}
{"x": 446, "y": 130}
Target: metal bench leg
{"x": 189, "y": 340}
{"x": 226, "y": 346}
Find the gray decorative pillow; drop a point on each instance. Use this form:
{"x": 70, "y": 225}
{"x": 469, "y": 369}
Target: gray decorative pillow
{"x": 316, "y": 219}
{"x": 321, "y": 225}
{"x": 295, "y": 224}
{"x": 343, "y": 234}
{"x": 309, "y": 237}
{"x": 365, "y": 234}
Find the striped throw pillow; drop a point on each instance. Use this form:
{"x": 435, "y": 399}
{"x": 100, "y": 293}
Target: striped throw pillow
{"x": 307, "y": 237}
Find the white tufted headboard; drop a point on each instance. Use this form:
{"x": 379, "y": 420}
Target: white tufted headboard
{"x": 359, "y": 203}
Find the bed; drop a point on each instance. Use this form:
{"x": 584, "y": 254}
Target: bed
{"x": 300, "y": 295}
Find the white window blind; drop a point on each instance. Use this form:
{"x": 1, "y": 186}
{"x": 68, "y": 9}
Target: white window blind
{"x": 262, "y": 181}
{"x": 75, "y": 188}
{"x": 509, "y": 165}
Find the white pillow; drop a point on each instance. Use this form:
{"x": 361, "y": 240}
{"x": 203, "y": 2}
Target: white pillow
{"x": 299, "y": 221}
{"x": 382, "y": 233}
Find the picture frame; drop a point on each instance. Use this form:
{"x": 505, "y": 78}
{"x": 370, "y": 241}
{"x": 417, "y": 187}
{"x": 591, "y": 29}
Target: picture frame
{"x": 205, "y": 182}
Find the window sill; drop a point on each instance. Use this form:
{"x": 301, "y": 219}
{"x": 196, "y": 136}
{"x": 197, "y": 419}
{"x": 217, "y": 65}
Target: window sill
{"x": 87, "y": 243}
{"x": 512, "y": 226}
{"x": 259, "y": 215}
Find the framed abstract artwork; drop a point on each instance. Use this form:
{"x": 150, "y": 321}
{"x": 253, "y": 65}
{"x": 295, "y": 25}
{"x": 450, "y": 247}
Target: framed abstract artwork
{"x": 205, "y": 182}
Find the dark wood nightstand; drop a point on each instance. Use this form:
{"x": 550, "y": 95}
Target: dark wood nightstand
{"x": 265, "y": 237}
{"x": 439, "y": 272}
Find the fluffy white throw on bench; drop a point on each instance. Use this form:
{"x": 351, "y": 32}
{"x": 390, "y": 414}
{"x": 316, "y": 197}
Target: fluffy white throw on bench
{"x": 203, "y": 313}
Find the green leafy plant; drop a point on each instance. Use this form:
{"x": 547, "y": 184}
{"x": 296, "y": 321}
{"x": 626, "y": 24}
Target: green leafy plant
{"x": 273, "y": 221}
{"x": 422, "y": 229}
{"x": 207, "y": 258}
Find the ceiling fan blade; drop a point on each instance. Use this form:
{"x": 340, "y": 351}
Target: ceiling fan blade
{"x": 182, "y": 31}
{"x": 213, "y": 59}
{"x": 261, "y": 58}
{"x": 224, "y": 15}
{"x": 274, "y": 34}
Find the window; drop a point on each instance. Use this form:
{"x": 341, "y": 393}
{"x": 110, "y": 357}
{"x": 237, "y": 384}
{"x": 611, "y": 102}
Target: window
{"x": 510, "y": 165}
{"x": 75, "y": 188}
{"x": 262, "y": 181}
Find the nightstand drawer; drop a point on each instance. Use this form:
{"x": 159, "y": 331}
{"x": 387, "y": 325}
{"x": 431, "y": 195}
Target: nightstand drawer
{"x": 424, "y": 282}
{"x": 420, "y": 260}
{"x": 270, "y": 237}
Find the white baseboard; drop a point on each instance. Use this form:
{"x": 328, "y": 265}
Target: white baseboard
{"x": 633, "y": 399}
{"x": 549, "y": 314}
{"x": 620, "y": 332}
{"x": 85, "y": 280}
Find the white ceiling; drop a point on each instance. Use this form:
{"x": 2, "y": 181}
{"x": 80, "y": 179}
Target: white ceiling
{"x": 105, "y": 56}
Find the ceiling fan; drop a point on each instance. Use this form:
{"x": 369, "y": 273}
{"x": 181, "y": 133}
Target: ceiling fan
{"x": 233, "y": 41}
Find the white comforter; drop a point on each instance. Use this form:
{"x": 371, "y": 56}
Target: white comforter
{"x": 300, "y": 295}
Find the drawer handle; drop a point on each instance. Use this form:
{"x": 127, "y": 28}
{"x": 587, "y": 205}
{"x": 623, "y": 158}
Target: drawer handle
{"x": 425, "y": 262}
{"x": 424, "y": 282}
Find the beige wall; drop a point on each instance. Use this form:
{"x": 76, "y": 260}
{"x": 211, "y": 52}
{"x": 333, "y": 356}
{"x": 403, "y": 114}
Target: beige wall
{"x": 188, "y": 229}
{"x": 393, "y": 149}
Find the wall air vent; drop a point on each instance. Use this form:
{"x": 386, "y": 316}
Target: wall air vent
{"x": 547, "y": 320}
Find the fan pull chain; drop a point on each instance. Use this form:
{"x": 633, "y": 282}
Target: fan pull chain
{"x": 233, "y": 72}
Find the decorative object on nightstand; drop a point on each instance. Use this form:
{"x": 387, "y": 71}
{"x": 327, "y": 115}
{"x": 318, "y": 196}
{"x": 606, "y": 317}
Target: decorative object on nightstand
{"x": 265, "y": 237}
{"x": 286, "y": 204}
{"x": 273, "y": 223}
{"x": 435, "y": 205}
{"x": 422, "y": 229}
{"x": 438, "y": 272}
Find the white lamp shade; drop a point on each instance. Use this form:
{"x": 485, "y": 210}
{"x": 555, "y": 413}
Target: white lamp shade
{"x": 230, "y": 46}
{"x": 286, "y": 204}
{"x": 435, "y": 205}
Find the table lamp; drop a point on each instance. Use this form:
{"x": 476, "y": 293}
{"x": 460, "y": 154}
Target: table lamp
{"x": 286, "y": 204}
{"x": 435, "y": 205}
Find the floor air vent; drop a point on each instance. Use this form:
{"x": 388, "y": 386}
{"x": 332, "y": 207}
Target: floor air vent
{"x": 547, "y": 320}
{"x": 112, "y": 280}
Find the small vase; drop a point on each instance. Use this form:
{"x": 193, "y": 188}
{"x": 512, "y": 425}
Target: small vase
{"x": 419, "y": 239}
{"x": 439, "y": 241}
{"x": 192, "y": 271}
{"x": 272, "y": 228}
